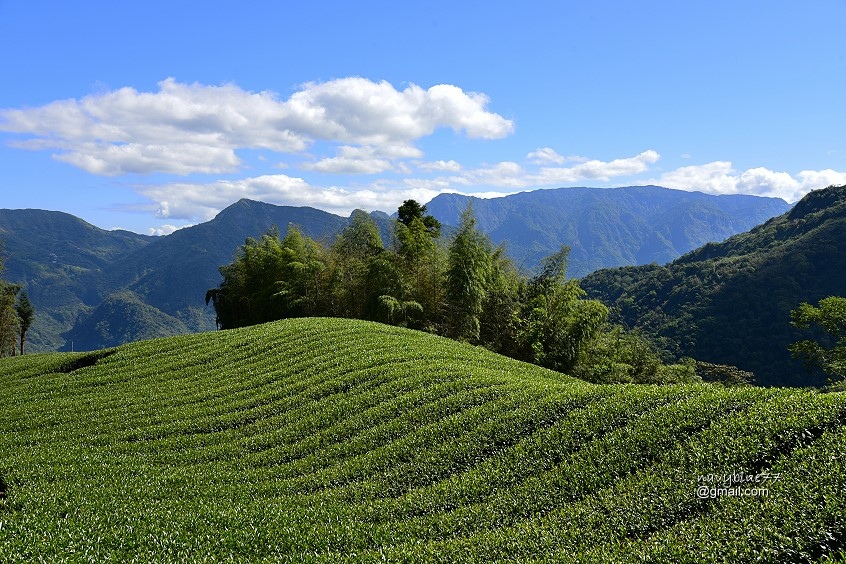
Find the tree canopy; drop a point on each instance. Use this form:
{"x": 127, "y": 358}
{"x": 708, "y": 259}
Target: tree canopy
{"x": 829, "y": 352}
{"x": 16, "y": 316}
{"x": 462, "y": 287}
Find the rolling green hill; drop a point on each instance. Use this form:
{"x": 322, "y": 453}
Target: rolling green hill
{"x": 331, "y": 440}
{"x": 730, "y": 302}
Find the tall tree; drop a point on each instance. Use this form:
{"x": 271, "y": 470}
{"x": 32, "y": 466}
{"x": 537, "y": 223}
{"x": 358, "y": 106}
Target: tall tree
{"x": 352, "y": 254}
{"x": 828, "y": 353}
{"x": 302, "y": 286}
{"x": 9, "y": 322}
{"x": 422, "y": 259}
{"x": 467, "y": 278}
{"x": 557, "y": 324}
{"x": 499, "y": 322}
{"x": 411, "y": 210}
{"x": 26, "y": 314}
{"x": 249, "y": 292}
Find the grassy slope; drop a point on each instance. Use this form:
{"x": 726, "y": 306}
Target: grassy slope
{"x": 330, "y": 439}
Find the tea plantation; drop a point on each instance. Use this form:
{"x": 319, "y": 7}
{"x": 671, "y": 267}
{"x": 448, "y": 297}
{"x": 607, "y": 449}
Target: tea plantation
{"x": 331, "y": 440}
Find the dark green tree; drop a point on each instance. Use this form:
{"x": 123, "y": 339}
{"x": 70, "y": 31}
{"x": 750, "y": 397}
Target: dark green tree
{"x": 9, "y": 321}
{"x": 829, "y": 353}
{"x": 411, "y": 210}
{"x": 467, "y": 278}
{"x": 358, "y": 245}
{"x": 302, "y": 286}
{"x": 557, "y": 324}
{"x": 26, "y": 314}
{"x": 499, "y": 322}
{"x": 249, "y": 293}
{"x": 422, "y": 259}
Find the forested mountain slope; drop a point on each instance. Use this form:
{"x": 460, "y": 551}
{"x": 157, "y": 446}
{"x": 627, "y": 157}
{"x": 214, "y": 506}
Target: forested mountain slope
{"x": 65, "y": 265}
{"x": 730, "y": 302}
{"x": 72, "y": 270}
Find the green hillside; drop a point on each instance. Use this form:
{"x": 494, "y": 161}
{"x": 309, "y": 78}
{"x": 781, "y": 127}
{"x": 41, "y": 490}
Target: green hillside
{"x": 730, "y": 302}
{"x": 335, "y": 440}
{"x": 123, "y": 317}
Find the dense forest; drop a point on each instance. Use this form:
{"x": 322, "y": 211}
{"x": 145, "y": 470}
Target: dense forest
{"x": 464, "y": 288}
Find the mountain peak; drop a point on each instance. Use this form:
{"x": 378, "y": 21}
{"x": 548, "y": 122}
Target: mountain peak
{"x": 818, "y": 201}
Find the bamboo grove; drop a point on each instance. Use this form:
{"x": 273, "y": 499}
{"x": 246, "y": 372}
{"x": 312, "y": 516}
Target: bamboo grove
{"x": 459, "y": 286}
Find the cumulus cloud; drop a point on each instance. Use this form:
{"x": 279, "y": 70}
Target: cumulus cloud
{"x": 597, "y": 170}
{"x": 720, "y": 177}
{"x": 512, "y": 175}
{"x": 187, "y": 128}
{"x": 202, "y": 201}
{"x": 165, "y": 229}
{"x": 364, "y": 160}
{"x": 439, "y": 166}
{"x": 546, "y": 155}
{"x": 369, "y": 113}
{"x": 174, "y": 158}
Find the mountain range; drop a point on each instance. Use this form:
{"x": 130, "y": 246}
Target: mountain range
{"x": 94, "y": 288}
{"x": 608, "y": 227}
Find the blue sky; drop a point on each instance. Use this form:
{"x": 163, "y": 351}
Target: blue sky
{"x": 154, "y": 115}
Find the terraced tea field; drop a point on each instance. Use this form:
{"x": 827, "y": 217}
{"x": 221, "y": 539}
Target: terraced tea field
{"x": 334, "y": 440}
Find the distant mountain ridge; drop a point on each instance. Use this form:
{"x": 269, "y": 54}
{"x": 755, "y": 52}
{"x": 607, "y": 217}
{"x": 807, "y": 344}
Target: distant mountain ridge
{"x": 83, "y": 280}
{"x": 607, "y": 227}
{"x": 74, "y": 271}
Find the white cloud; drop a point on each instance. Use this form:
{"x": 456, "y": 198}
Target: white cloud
{"x": 439, "y": 166}
{"x": 365, "y": 112}
{"x": 202, "y": 201}
{"x": 350, "y": 165}
{"x": 364, "y": 160}
{"x": 814, "y": 179}
{"x": 720, "y": 177}
{"x": 597, "y": 170}
{"x": 186, "y": 128}
{"x": 512, "y": 175}
{"x": 165, "y": 229}
{"x": 546, "y": 155}
{"x": 174, "y": 158}
{"x": 506, "y": 174}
